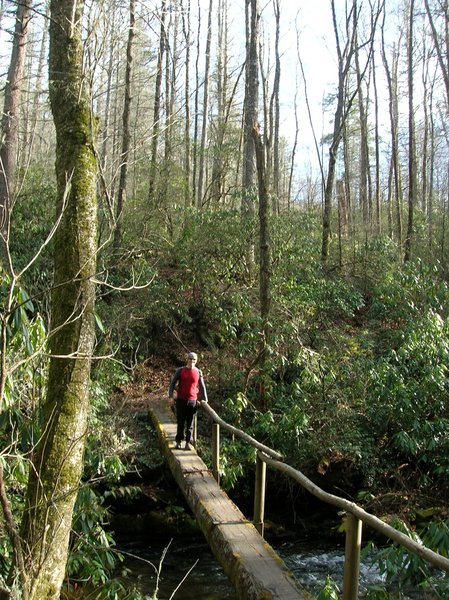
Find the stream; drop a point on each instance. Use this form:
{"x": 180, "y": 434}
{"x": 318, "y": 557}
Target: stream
{"x": 207, "y": 581}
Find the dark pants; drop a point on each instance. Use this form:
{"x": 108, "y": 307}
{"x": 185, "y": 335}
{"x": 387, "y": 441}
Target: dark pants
{"x": 185, "y": 411}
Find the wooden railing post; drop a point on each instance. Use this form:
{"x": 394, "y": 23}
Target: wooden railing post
{"x": 259, "y": 495}
{"x": 216, "y": 452}
{"x": 352, "y": 557}
{"x": 195, "y": 429}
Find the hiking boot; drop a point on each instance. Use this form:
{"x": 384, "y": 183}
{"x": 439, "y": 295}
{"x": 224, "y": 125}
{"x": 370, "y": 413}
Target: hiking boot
{"x": 178, "y": 446}
{"x": 187, "y": 446}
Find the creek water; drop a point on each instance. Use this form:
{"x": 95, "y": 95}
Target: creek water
{"x": 189, "y": 570}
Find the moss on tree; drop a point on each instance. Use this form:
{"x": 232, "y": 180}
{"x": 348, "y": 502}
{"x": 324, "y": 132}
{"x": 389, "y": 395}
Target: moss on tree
{"x": 58, "y": 459}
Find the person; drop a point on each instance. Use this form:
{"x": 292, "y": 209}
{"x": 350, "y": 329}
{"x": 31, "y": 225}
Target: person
{"x": 190, "y": 388}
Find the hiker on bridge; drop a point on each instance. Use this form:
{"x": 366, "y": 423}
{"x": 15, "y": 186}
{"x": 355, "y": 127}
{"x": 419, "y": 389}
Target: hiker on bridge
{"x": 190, "y": 389}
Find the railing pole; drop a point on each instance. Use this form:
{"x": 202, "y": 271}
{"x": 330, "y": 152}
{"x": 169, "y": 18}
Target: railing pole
{"x": 195, "y": 429}
{"x": 259, "y": 495}
{"x": 352, "y": 557}
{"x": 216, "y": 452}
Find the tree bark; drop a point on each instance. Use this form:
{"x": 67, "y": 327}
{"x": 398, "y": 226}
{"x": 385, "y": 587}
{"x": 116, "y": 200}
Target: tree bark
{"x": 392, "y": 82}
{"x": 411, "y": 139}
{"x": 441, "y": 42}
{"x": 34, "y": 92}
{"x": 185, "y": 11}
{"x": 264, "y": 254}
{"x": 342, "y": 109}
{"x": 10, "y": 125}
{"x": 275, "y": 111}
{"x": 377, "y": 150}
{"x": 126, "y": 135}
{"x": 202, "y": 157}
{"x": 57, "y": 462}
{"x": 218, "y": 158}
{"x": 250, "y": 104}
{"x": 157, "y": 107}
{"x": 363, "y": 154}
{"x": 196, "y": 110}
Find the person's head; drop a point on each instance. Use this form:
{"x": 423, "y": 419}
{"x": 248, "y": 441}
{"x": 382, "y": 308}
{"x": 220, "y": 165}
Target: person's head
{"x": 192, "y": 357}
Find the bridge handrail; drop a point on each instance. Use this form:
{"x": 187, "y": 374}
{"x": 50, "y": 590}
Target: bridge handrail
{"x": 239, "y": 433}
{"x": 274, "y": 459}
{"x": 401, "y": 538}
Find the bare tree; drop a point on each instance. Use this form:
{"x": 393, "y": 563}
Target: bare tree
{"x": 275, "y": 111}
{"x": 440, "y": 39}
{"x": 218, "y": 159}
{"x": 395, "y": 191}
{"x": 34, "y": 95}
{"x": 378, "y": 218}
{"x": 196, "y": 121}
{"x": 126, "y": 135}
{"x": 10, "y": 124}
{"x": 157, "y": 105}
{"x": 411, "y": 135}
{"x": 364, "y": 201}
{"x": 344, "y": 102}
{"x": 202, "y": 157}
{"x": 345, "y": 96}
{"x": 264, "y": 255}
{"x": 250, "y": 102}
{"x": 186, "y": 28}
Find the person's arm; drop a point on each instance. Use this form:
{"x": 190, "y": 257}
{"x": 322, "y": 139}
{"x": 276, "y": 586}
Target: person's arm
{"x": 202, "y": 388}
{"x": 173, "y": 382}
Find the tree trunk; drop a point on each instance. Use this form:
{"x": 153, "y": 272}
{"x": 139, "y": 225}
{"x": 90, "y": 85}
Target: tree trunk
{"x": 441, "y": 43}
{"x": 58, "y": 457}
{"x": 293, "y": 153}
{"x": 126, "y": 136}
{"x": 344, "y": 62}
{"x": 250, "y": 104}
{"x": 196, "y": 110}
{"x": 411, "y": 140}
{"x": 108, "y": 69}
{"x": 34, "y": 95}
{"x": 431, "y": 191}
{"x": 205, "y": 109}
{"x": 157, "y": 107}
{"x": 275, "y": 111}
{"x": 363, "y": 154}
{"x": 377, "y": 150}
{"x": 394, "y": 124}
{"x": 186, "y": 32}
{"x": 220, "y": 120}
{"x": 264, "y": 257}
{"x": 10, "y": 125}
{"x": 345, "y": 100}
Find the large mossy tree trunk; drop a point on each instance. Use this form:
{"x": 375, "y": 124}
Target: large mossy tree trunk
{"x": 58, "y": 458}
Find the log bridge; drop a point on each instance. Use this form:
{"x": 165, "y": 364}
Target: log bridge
{"x": 251, "y": 564}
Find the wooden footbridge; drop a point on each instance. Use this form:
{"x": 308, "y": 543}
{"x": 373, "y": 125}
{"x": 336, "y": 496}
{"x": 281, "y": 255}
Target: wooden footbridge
{"x": 253, "y": 567}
